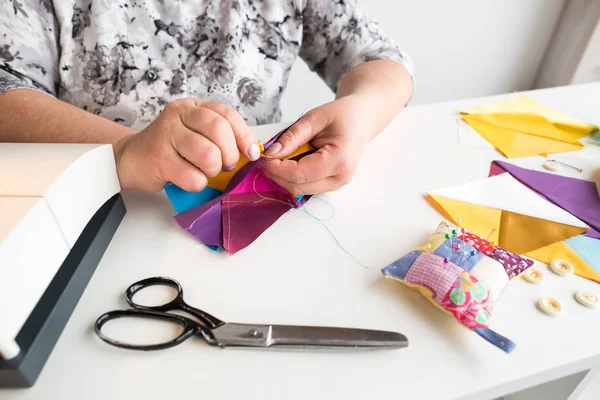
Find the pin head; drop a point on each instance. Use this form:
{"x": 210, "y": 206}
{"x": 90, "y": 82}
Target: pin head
{"x": 456, "y": 246}
{"x": 472, "y": 253}
{"x": 494, "y": 243}
{"x": 445, "y": 261}
{"x": 447, "y": 236}
{"x": 454, "y": 231}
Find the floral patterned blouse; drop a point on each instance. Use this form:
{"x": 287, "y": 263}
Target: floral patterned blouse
{"x": 126, "y": 59}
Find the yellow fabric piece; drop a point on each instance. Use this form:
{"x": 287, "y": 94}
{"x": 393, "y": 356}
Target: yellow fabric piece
{"x": 514, "y": 232}
{"x": 221, "y": 181}
{"x": 563, "y": 251}
{"x": 526, "y": 105}
{"x": 521, "y": 127}
{"x": 522, "y": 233}
{"x": 479, "y": 220}
{"x": 435, "y": 241}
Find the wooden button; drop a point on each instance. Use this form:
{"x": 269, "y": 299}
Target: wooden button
{"x": 588, "y": 299}
{"x": 561, "y": 267}
{"x": 550, "y": 306}
{"x": 533, "y": 275}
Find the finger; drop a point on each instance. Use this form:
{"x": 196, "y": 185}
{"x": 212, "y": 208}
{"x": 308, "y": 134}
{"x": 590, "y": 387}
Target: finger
{"x": 299, "y": 134}
{"x": 310, "y": 168}
{"x": 215, "y": 128}
{"x": 322, "y": 185}
{"x": 185, "y": 175}
{"x": 199, "y": 151}
{"x": 246, "y": 142}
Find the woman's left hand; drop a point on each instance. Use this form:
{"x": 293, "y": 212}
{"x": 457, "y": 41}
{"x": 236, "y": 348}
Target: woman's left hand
{"x": 339, "y": 131}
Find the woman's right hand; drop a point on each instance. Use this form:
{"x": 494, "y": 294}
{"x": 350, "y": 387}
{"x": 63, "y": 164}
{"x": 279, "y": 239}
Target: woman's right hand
{"x": 190, "y": 141}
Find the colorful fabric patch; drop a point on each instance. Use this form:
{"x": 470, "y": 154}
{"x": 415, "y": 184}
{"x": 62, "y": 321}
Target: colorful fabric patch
{"x": 400, "y": 267}
{"x": 431, "y": 272}
{"x": 480, "y": 244}
{"x": 469, "y": 301}
{"x": 513, "y": 263}
{"x": 466, "y": 256}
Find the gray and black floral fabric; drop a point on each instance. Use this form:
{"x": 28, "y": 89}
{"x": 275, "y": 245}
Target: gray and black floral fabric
{"x": 125, "y": 60}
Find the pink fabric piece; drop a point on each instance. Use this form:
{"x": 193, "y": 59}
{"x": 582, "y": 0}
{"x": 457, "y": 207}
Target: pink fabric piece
{"x": 429, "y": 270}
{"x": 246, "y": 216}
{"x": 257, "y": 181}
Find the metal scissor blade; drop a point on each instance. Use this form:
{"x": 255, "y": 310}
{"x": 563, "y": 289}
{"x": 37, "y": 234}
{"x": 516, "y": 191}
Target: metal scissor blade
{"x": 312, "y": 336}
{"x": 289, "y": 336}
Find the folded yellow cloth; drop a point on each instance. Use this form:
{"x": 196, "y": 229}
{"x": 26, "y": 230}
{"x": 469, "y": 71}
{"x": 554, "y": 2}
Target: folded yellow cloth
{"x": 521, "y": 127}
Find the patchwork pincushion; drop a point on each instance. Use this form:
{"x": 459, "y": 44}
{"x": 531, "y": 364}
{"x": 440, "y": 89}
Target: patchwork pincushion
{"x": 461, "y": 273}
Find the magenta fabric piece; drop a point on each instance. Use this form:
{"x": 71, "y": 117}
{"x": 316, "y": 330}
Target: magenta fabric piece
{"x": 246, "y": 216}
{"x": 575, "y": 196}
{"x": 495, "y": 169}
{"x": 513, "y": 263}
{"x": 203, "y": 222}
{"x": 256, "y": 181}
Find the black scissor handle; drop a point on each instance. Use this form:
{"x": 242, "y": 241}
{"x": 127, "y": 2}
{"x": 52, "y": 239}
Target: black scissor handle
{"x": 190, "y": 327}
{"x": 176, "y": 304}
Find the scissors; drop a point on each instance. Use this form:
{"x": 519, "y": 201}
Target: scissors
{"x": 223, "y": 334}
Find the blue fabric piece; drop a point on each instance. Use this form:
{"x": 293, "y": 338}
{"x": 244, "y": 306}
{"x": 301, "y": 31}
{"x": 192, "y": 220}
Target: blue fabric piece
{"x": 497, "y": 340}
{"x": 467, "y": 262}
{"x": 399, "y": 268}
{"x": 182, "y": 200}
{"x": 214, "y": 248}
{"x": 587, "y": 248}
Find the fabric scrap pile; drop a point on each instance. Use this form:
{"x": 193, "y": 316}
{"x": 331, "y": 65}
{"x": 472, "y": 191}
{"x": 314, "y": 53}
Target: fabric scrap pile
{"x": 236, "y": 207}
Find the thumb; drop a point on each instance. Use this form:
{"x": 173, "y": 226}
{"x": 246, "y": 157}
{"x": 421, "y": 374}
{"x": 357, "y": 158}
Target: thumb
{"x": 302, "y": 132}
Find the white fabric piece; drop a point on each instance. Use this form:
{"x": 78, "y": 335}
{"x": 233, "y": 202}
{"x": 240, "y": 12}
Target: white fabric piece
{"x": 506, "y": 193}
{"x": 492, "y": 274}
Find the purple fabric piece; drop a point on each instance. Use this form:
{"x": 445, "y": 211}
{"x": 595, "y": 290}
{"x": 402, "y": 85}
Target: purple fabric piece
{"x": 204, "y": 222}
{"x": 575, "y": 196}
{"x": 513, "y": 263}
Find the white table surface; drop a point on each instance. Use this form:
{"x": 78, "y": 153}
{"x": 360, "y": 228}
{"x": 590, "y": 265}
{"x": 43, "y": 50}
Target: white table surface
{"x": 295, "y": 274}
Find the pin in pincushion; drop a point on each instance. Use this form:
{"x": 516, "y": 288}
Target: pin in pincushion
{"x": 462, "y": 274}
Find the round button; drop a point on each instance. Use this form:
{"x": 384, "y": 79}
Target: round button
{"x": 561, "y": 267}
{"x": 551, "y": 166}
{"x": 550, "y": 306}
{"x": 588, "y": 299}
{"x": 533, "y": 275}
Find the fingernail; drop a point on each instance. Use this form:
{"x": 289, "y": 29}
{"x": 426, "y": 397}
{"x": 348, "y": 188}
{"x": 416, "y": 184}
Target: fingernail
{"x": 229, "y": 169}
{"x": 275, "y": 148}
{"x": 254, "y": 152}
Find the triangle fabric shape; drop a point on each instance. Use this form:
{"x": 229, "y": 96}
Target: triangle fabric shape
{"x": 514, "y": 144}
{"x": 503, "y": 192}
{"x": 516, "y": 232}
{"x": 524, "y": 104}
{"x": 588, "y": 249}
{"x": 203, "y": 222}
{"x": 562, "y": 251}
{"x": 578, "y": 197}
{"x": 480, "y": 220}
{"x": 528, "y": 124}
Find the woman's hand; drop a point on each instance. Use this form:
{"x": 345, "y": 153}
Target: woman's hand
{"x": 190, "y": 141}
{"x": 340, "y": 131}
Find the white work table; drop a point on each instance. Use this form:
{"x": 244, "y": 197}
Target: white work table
{"x": 295, "y": 274}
